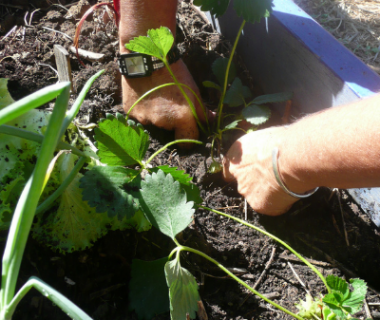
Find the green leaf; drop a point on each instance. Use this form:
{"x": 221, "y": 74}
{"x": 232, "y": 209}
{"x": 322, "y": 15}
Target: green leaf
{"x": 215, "y": 167}
{"x": 217, "y": 7}
{"x": 74, "y": 225}
{"x": 253, "y": 10}
{"x": 338, "y": 284}
{"x": 183, "y": 291}
{"x": 328, "y": 314}
{"x": 273, "y": 98}
{"x": 192, "y": 191}
{"x": 119, "y": 144}
{"x": 355, "y": 299}
{"x": 232, "y": 125}
{"x": 236, "y": 94}
{"x": 211, "y": 84}
{"x": 138, "y": 221}
{"x": 256, "y": 114}
{"x": 148, "y": 290}
{"x": 330, "y": 301}
{"x": 104, "y": 189}
{"x": 164, "y": 203}
{"x": 157, "y": 43}
{"x": 219, "y": 68}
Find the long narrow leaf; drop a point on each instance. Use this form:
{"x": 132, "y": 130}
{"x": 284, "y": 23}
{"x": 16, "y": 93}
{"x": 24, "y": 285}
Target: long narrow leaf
{"x": 78, "y": 102}
{"x": 30, "y": 102}
{"x": 26, "y": 206}
{"x": 59, "y": 299}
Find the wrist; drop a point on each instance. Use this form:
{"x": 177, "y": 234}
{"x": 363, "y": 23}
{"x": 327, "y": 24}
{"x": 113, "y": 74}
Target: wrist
{"x": 293, "y": 164}
{"x": 138, "y": 16}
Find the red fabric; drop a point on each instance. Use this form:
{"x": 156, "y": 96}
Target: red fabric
{"x": 116, "y": 5}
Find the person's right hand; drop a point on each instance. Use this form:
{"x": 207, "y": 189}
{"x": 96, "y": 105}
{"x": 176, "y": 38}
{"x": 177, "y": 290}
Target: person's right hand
{"x": 249, "y": 161}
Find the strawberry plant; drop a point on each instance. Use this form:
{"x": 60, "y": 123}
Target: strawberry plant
{"x": 233, "y": 93}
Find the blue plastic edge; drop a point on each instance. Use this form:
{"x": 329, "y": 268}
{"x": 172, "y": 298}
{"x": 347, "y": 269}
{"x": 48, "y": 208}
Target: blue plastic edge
{"x": 358, "y": 76}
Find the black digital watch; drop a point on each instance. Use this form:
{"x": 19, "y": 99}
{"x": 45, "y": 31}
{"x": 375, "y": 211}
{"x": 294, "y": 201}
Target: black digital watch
{"x": 138, "y": 65}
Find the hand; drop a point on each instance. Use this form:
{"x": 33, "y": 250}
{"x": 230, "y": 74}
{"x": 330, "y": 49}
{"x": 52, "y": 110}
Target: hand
{"x": 249, "y": 161}
{"x": 165, "y": 108}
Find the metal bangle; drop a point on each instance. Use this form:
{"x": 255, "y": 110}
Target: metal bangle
{"x": 279, "y": 181}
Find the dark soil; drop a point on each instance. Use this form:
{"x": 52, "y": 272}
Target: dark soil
{"x": 97, "y": 279}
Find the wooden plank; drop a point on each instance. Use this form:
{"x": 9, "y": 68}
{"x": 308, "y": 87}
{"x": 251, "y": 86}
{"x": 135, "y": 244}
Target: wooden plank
{"x": 62, "y": 59}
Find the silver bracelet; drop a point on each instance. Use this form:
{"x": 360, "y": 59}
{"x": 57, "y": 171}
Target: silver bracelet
{"x": 279, "y": 181}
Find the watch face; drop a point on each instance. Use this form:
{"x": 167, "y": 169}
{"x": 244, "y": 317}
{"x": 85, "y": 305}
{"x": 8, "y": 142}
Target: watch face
{"x": 135, "y": 65}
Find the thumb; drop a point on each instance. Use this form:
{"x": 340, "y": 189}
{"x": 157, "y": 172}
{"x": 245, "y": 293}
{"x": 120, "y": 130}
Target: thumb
{"x": 226, "y": 169}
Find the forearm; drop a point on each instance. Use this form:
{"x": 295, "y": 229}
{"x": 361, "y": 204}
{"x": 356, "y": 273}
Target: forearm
{"x": 339, "y": 148}
{"x": 137, "y": 16}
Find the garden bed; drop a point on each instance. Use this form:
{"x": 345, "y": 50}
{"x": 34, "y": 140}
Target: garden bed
{"x": 97, "y": 278}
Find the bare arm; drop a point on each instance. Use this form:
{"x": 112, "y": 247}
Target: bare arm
{"x": 339, "y": 147}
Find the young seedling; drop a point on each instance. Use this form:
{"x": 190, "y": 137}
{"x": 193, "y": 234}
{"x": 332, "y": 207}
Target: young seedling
{"x": 157, "y": 43}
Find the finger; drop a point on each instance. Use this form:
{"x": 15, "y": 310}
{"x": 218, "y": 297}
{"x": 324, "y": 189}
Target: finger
{"x": 226, "y": 170}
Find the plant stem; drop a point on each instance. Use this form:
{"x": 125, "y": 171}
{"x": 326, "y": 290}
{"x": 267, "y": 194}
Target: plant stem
{"x": 148, "y": 93}
{"x": 28, "y": 135}
{"x": 240, "y": 281}
{"x": 49, "y": 201}
{"x": 274, "y": 238}
{"x": 24, "y": 213}
{"x": 65, "y": 304}
{"x": 168, "y": 145}
{"x": 167, "y": 85}
{"x": 220, "y": 106}
{"x": 191, "y": 105}
{"x": 173, "y": 252}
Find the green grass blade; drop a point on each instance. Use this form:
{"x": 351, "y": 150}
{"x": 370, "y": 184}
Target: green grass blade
{"x": 50, "y": 200}
{"x": 78, "y": 102}
{"x": 72, "y": 311}
{"x": 32, "y": 101}
{"x": 24, "y": 213}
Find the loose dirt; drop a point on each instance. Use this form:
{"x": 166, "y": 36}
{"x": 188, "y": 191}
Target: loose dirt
{"x": 97, "y": 278}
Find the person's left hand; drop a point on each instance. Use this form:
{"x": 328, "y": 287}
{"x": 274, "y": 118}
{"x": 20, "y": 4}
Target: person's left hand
{"x": 249, "y": 162}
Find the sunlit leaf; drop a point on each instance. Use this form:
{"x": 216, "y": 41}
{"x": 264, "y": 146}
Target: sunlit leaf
{"x": 256, "y": 114}
{"x": 120, "y": 144}
{"x": 74, "y": 225}
{"x": 157, "y": 43}
{"x": 341, "y": 300}
{"x": 232, "y": 125}
{"x": 355, "y": 299}
{"x": 164, "y": 203}
{"x": 183, "y": 291}
{"x": 192, "y": 191}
